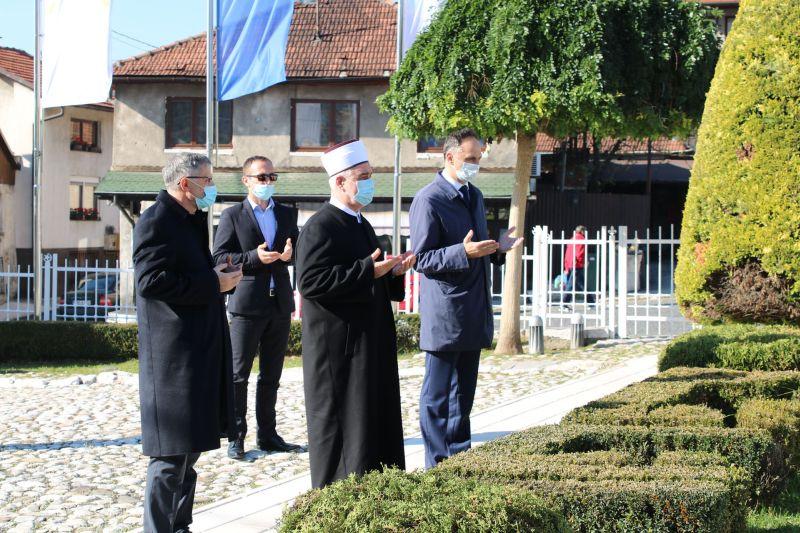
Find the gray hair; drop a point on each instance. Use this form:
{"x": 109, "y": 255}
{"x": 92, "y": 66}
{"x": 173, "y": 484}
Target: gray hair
{"x": 183, "y": 164}
{"x": 454, "y": 140}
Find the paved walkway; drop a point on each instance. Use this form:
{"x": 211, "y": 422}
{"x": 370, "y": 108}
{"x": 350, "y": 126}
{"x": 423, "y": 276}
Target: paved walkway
{"x": 260, "y": 510}
{"x": 70, "y": 454}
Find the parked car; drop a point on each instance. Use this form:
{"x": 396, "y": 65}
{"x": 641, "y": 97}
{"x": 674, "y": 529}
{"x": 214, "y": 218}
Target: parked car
{"x": 95, "y": 296}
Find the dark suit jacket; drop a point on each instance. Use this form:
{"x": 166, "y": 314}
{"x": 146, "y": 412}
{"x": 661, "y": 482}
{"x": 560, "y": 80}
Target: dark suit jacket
{"x": 455, "y": 292}
{"x": 185, "y": 375}
{"x": 239, "y": 236}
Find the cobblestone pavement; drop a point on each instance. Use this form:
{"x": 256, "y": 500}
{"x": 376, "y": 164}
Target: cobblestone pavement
{"x": 70, "y": 458}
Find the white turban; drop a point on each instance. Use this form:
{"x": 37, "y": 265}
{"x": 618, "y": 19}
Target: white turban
{"x": 341, "y": 157}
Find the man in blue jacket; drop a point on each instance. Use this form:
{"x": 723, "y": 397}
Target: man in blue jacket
{"x": 454, "y": 255}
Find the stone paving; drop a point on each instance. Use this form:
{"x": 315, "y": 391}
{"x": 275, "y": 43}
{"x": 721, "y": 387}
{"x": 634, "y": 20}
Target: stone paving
{"x": 70, "y": 458}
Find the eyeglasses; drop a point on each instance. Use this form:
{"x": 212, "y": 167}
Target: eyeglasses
{"x": 264, "y": 177}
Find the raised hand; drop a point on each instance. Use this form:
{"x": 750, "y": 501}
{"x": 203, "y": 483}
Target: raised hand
{"x": 408, "y": 260}
{"x": 227, "y": 280}
{"x": 286, "y": 256}
{"x": 265, "y": 256}
{"x": 480, "y": 248}
{"x": 383, "y": 267}
{"x": 507, "y": 241}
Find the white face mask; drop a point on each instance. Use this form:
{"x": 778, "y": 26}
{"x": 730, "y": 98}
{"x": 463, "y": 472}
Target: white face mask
{"x": 468, "y": 171}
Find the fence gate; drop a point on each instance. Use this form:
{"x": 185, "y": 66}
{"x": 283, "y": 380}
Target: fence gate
{"x": 622, "y": 285}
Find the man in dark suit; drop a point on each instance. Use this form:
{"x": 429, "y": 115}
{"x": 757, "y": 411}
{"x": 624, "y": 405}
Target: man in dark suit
{"x": 184, "y": 345}
{"x": 258, "y": 233}
{"x": 451, "y": 240}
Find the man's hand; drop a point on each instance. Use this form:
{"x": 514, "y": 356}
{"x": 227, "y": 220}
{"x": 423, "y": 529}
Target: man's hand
{"x": 265, "y": 256}
{"x": 507, "y": 241}
{"x": 383, "y": 267}
{"x": 479, "y": 249}
{"x": 407, "y": 261}
{"x": 227, "y": 280}
{"x": 286, "y": 256}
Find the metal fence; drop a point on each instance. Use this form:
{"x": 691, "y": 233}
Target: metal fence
{"x": 624, "y": 289}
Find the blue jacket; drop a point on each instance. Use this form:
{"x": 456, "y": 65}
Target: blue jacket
{"x": 455, "y": 292}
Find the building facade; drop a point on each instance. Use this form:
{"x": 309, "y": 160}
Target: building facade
{"x": 77, "y": 147}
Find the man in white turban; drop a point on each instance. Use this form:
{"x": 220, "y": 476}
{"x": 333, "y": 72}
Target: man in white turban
{"x": 350, "y": 374}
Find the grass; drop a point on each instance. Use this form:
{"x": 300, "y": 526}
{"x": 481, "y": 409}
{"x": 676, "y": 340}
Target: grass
{"x": 781, "y": 517}
{"x": 40, "y": 369}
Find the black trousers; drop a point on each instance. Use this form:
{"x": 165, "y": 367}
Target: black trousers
{"x": 268, "y": 335}
{"x": 575, "y": 278}
{"x": 169, "y": 493}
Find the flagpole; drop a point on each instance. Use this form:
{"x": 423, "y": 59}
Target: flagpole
{"x": 397, "y": 202}
{"x": 36, "y": 163}
{"x": 210, "y": 106}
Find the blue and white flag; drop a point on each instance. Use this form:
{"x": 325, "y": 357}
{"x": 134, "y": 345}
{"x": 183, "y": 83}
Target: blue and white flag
{"x": 417, "y": 15}
{"x": 251, "y": 45}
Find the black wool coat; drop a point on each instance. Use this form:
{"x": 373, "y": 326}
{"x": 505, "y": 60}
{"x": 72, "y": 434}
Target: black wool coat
{"x": 185, "y": 376}
{"x": 239, "y": 236}
{"x": 350, "y": 377}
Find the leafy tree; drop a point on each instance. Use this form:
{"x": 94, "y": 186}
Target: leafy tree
{"x": 623, "y": 68}
{"x": 739, "y": 258}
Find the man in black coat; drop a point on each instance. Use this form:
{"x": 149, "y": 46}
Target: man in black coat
{"x": 184, "y": 345}
{"x": 350, "y": 377}
{"x": 258, "y": 233}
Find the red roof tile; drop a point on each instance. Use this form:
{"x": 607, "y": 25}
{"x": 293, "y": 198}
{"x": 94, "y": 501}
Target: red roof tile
{"x": 17, "y": 63}
{"x": 545, "y": 143}
{"x": 356, "y": 40}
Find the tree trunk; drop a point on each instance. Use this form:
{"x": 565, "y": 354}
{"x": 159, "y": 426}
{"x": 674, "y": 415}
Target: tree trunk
{"x": 509, "y": 341}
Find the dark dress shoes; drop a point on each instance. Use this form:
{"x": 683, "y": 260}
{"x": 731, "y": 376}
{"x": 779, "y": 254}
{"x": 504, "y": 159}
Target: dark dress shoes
{"x": 277, "y": 444}
{"x": 236, "y": 449}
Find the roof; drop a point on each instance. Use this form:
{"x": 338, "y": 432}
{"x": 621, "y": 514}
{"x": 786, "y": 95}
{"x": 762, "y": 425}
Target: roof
{"x": 357, "y": 40}
{"x": 17, "y": 63}
{"x": 6, "y": 151}
{"x": 291, "y": 185}
{"x": 547, "y": 144}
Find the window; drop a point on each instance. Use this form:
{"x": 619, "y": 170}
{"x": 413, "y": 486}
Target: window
{"x": 85, "y": 136}
{"x": 430, "y": 145}
{"x": 317, "y": 124}
{"x": 728, "y": 24}
{"x": 82, "y": 202}
{"x": 186, "y": 122}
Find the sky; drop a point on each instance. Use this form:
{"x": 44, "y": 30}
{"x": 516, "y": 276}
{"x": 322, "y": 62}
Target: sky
{"x": 136, "y": 25}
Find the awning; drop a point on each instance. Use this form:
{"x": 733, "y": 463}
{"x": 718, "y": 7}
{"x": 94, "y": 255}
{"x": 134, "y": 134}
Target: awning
{"x": 291, "y": 186}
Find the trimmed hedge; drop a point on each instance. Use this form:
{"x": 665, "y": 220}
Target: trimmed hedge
{"x": 393, "y": 500}
{"x": 780, "y": 417}
{"x": 754, "y": 450}
{"x": 50, "y": 341}
{"x": 740, "y": 347}
{"x": 62, "y": 341}
{"x": 738, "y": 259}
{"x": 610, "y": 491}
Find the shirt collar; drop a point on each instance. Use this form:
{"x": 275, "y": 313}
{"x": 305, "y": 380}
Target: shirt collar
{"x": 455, "y": 183}
{"x": 338, "y": 204}
{"x": 256, "y": 206}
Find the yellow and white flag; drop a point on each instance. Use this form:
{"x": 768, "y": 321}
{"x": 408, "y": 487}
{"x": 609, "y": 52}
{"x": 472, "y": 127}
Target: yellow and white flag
{"x": 76, "y": 52}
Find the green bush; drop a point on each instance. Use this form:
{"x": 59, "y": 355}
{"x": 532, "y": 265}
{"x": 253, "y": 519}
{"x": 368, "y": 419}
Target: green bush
{"x": 740, "y": 347}
{"x": 610, "y": 491}
{"x": 780, "y": 417}
{"x": 393, "y": 500}
{"x": 738, "y": 258}
{"x": 50, "y": 341}
{"x": 97, "y": 341}
{"x": 407, "y": 327}
{"x": 753, "y": 450}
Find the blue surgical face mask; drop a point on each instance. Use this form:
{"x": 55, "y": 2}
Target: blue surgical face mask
{"x": 468, "y": 171}
{"x": 210, "y": 197}
{"x": 364, "y": 191}
{"x": 263, "y": 191}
